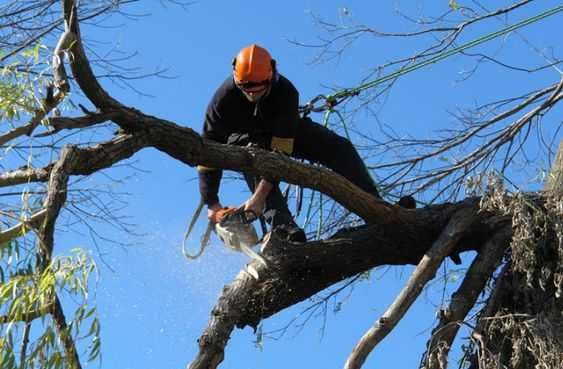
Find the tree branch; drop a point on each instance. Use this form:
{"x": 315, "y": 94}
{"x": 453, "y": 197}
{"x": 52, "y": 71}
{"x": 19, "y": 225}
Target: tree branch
{"x": 464, "y": 299}
{"x": 90, "y": 160}
{"x": 22, "y": 227}
{"x": 63, "y": 331}
{"x": 79, "y": 64}
{"x": 28, "y": 128}
{"x": 25, "y": 342}
{"x": 57, "y": 124}
{"x": 29, "y": 316}
{"x": 423, "y": 273}
{"x": 56, "y": 197}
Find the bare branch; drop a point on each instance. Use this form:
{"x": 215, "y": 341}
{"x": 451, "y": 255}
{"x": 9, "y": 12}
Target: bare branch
{"x": 58, "y": 124}
{"x": 25, "y": 341}
{"x": 425, "y": 270}
{"x": 91, "y": 159}
{"x": 464, "y": 298}
{"x": 20, "y": 176}
{"x": 27, "y": 129}
{"x": 22, "y": 227}
{"x": 81, "y": 69}
{"x": 56, "y": 197}
{"x": 483, "y": 155}
{"x": 53, "y": 204}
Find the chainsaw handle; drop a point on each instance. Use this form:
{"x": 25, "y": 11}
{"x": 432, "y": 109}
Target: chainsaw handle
{"x": 238, "y": 215}
{"x": 253, "y": 216}
{"x": 218, "y": 215}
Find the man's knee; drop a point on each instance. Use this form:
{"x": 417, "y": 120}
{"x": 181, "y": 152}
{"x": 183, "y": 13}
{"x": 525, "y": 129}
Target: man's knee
{"x": 345, "y": 144}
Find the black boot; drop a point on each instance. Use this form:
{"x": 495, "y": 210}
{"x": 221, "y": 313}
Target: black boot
{"x": 407, "y": 202}
{"x": 291, "y": 232}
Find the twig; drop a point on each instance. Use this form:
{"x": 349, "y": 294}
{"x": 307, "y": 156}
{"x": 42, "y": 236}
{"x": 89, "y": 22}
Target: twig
{"x": 59, "y": 123}
{"x": 25, "y": 341}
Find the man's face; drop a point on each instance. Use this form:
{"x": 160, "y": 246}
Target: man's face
{"x": 254, "y": 91}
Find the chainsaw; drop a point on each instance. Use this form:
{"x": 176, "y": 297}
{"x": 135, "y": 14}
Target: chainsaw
{"x": 235, "y": 230}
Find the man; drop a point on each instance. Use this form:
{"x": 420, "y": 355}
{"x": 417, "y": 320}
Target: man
{"x": 257, "y": 105}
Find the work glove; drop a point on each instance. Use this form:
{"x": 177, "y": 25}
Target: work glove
{"x": 218, "y": 215}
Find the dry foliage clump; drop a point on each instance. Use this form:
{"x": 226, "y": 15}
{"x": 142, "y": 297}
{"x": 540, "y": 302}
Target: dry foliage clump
{"x": 522, "y": 323}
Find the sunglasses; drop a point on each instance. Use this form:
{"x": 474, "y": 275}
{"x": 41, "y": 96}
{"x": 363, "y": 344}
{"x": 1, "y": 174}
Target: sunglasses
{"x": 254, "y": 86}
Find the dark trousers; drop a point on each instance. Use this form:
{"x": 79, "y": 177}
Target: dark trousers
{"x": 317, "y": 144}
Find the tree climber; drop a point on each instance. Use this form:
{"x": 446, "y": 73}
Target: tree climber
{"x": 259, "y": 106}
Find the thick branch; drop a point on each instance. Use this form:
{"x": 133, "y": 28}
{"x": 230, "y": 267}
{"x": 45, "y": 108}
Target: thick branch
{"x": 55, "y": 200}
{"x": 89, "y": 160}
{"x": 53, "y": 204}
{"x": 186, "y": 145}
{"x": 79, "y": 64}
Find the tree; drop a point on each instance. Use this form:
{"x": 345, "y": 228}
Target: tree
{"x": 518, "y": 236}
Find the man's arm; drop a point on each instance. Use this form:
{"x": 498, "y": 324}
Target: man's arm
{"x": 214, "y": 128}
{"x": 258, "y": 199}
{"x": 212, "y": 211}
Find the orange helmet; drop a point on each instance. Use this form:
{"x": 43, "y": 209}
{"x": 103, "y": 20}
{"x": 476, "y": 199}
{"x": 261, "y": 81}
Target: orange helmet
{"x": 253, "y": 64}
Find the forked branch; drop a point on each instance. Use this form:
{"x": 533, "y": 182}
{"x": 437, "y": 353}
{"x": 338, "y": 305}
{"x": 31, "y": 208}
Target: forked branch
{"x": 424, "y": 272}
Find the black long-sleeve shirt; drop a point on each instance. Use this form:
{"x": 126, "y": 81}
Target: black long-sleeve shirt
{"x": 271, "y": 123}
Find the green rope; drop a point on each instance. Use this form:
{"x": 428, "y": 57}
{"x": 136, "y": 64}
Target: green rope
{"x": 343, "y": 122}
{"x": 354, "y": 91}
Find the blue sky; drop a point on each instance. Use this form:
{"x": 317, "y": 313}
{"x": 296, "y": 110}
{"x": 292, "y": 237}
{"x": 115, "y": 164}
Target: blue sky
{"x": 153, "y": 303}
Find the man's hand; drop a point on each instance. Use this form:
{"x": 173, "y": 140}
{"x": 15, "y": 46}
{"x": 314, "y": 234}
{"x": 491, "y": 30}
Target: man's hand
{"x": 255, "y": 205}
{"x": 257, "y": 201}
{"x": 214, "y": 212}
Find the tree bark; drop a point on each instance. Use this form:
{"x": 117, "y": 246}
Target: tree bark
{"x": 555, "y": 179}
